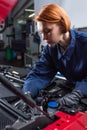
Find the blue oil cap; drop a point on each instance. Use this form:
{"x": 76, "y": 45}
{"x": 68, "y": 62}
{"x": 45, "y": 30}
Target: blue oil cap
{"x": 52, "y": 104}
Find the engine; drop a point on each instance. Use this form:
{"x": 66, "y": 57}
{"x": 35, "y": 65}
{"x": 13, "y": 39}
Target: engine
{"x": 17, "y": 112}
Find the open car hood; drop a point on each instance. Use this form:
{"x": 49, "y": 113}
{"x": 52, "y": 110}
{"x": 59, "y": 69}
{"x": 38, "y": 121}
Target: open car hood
{"x": 6, "y": 7}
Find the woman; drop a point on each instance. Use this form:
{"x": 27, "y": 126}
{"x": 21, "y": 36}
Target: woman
{"x": 65, "y": 52}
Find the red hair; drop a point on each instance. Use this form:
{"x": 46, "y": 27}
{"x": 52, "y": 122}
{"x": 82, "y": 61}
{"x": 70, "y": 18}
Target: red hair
{"x": 53, "y": 13}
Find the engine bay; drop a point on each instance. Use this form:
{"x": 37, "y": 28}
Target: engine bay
{"x": 17, "y": 112}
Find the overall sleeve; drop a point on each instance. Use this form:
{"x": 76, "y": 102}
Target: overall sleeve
{"x": 41, "y": 74}
{"x": 82, "y": 86}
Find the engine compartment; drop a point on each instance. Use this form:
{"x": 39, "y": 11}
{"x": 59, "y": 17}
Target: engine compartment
{"x": 19, "y": 113}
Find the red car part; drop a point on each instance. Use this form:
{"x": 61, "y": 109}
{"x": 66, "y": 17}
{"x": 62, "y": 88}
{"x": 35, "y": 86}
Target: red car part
{"x": 5, "y": 8}
{"x": 69, "y": 122}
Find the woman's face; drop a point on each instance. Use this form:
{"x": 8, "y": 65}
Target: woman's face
{"x": 50, "y": 32}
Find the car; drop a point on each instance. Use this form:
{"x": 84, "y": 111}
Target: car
{"x": 6, "y": 7}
